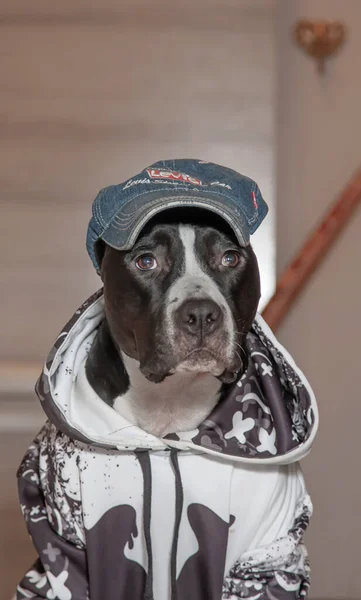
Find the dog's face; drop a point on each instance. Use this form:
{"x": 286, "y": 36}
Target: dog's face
{"x": 183, "y": 298}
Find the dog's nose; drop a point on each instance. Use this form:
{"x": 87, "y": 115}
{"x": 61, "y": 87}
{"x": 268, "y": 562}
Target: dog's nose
{"x": 199, "y": 317}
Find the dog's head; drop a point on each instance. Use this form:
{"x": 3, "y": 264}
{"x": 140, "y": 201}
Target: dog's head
{"x": 184, "y": 297}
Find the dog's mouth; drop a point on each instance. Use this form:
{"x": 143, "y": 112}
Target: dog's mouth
{"x": 201, "y": 360}
{"x": 198, "y": 360}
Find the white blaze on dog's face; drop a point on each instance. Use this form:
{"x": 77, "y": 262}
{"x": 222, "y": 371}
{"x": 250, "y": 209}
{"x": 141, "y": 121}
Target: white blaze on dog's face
{"x": 183, "y": 298}
{"x": 195, "y": 287}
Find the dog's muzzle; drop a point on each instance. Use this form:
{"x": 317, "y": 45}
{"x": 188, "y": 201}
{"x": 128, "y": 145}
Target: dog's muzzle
{"x": 202, "y": 339}
{"x": 198, "y": 319}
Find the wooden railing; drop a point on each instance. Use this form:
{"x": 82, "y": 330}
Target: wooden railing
{"x": 297, "y": 274}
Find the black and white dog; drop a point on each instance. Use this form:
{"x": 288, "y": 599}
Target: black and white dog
{"x": 178, "y": 306}
{"x": 168, "y": 467}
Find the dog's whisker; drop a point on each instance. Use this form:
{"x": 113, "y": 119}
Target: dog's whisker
{"x": 238, "y": 355}
{"x": 242, "y": 349}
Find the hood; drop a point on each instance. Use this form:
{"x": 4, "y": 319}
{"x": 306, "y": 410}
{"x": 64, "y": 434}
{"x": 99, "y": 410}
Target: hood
{"x": 268, "y": 416}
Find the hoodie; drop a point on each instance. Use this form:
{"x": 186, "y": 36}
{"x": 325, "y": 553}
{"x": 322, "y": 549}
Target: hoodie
{"x": 216, "y": 513}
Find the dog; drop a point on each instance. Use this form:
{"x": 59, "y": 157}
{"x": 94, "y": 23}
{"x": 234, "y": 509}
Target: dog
{"x": 178, "y": 307}
{"x": 168, "y": 467}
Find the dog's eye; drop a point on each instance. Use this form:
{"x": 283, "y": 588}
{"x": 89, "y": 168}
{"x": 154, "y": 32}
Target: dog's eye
{"x": 146, "y": 262}
{"x": 230, "y": 259}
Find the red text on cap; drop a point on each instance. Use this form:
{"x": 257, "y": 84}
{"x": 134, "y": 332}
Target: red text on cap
{"x": 173, "y": 175}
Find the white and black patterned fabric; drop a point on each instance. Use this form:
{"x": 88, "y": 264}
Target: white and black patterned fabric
{"x": 211, "y": 514}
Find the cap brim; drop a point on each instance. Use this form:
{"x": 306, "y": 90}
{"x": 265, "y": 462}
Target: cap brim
{"x": 128, "y": 222}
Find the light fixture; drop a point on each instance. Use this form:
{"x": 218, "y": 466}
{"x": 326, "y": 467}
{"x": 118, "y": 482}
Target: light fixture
{"x": 320, "y": 39}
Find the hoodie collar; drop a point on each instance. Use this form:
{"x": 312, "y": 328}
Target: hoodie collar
{"x": 269, "y": 415}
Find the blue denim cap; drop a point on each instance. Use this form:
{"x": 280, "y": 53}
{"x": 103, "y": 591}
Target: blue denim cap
{"x": 121, "y": 211}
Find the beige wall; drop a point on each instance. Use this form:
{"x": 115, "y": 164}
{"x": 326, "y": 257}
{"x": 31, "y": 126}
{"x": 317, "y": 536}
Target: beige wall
{"x": 319, "y": 124}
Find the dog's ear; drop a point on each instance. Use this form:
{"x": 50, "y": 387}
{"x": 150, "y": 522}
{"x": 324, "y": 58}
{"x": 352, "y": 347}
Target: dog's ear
{"x": 104, "y": 367}
{"x": 109, "y": 259}
{"x": 100, "y": 249}
{"x": 248, "y": 294}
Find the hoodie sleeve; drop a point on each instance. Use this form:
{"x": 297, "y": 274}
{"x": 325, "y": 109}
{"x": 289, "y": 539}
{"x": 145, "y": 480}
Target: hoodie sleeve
{"x": 277, "y": 569}
{"x": 60, "y": 570}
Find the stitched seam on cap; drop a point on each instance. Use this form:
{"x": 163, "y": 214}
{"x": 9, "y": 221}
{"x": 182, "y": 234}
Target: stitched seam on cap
{"x": 215, "y": 193}
{"x": 98, "y": 213}
{"x": 101, "y": 219}
{"x": 253, "y": 219}
{"x": 157, "y": 200}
